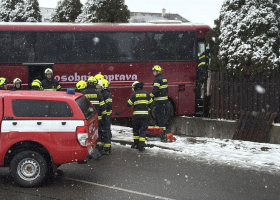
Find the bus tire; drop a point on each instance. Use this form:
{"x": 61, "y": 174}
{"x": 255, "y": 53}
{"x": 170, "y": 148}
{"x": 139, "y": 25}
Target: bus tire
{"x": 168, "y": 114}
{"x": 28, "y": 168}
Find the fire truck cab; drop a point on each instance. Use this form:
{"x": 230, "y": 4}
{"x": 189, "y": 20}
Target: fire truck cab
{"x": 40, "y": 130}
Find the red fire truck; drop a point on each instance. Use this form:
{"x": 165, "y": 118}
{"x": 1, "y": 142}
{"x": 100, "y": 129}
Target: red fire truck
{"x": 123, "y": 53}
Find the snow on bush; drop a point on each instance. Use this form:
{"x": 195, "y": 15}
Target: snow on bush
{"x": 249, "y": 36}
{"x": 67, "y": 11}
{"x": 88, "y": 12}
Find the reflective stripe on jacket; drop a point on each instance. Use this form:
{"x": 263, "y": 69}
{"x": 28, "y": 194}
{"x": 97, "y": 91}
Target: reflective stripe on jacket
{"x": 160, "y": 89}
{"x": 141, "y": 100}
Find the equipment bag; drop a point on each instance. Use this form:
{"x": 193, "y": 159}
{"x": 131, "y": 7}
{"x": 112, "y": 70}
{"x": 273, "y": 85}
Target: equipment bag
{"x": 169, "y": 138}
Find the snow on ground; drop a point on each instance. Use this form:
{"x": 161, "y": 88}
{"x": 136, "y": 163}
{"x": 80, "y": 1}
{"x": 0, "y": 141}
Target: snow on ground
{"x": 237, "y": 153}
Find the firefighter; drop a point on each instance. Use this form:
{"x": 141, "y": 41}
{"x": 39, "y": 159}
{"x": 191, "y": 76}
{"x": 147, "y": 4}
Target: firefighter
{"x": 97, "y": 101}
{"x": 81, "y": 86}
{"x": 202, "y": 67}
{"x": 109, "y": 111}
{"x": 17, "y": 84}
{"x": 106, "y": 137}
{"x": 141, "y": 100}
{"x": 160, "y": 95}
{"x": 50, "y": 83}
{"x": 3, "y": 83}
{"x": 36, "y": 85}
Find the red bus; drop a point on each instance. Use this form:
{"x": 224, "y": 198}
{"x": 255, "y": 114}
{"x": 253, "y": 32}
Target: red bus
{"x": 123, "y": 53}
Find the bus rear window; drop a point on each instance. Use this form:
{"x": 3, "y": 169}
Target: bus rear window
{"x": 86, "y": 107}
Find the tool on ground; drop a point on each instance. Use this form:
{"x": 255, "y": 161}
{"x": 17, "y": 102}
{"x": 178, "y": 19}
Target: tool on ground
{"x": 158, "y": 132}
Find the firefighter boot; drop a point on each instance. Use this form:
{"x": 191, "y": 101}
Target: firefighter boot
{"x": 141, "y": 145}
{"x": 135, "y": 145}
{"x": 106, "y": 151}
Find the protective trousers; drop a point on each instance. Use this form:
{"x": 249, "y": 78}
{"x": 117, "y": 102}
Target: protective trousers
{"x": 140, "y": 126}
{"x": 109, "y": 125}
{"x": 160, "y": 121}
{"x": 104, "y": 139}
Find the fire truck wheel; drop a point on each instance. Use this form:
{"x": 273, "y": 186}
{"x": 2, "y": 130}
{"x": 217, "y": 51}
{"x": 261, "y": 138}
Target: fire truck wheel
{"x": 28, "y": 168}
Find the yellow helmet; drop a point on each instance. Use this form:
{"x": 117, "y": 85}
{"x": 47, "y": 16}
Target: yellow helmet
{"x": 81, "y": 85}
{"x": 2, "y": 81}
{"x": 99, "y": 77}
{"x": 106, "y": 83}
{"x": 92, "y": 80}
{"x": 100, "y": 84}
{"x": 48, "y": 71}
{"x": 156, "y": 68}
{"x": 134, "y": 84}
{"x": 36, "y": 83}
{"x": 16, "y": 80}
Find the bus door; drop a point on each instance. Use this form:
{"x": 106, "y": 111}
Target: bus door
{"x": 200, "y": 76}
{"x": 37, "y": 71}
{"x": 12, "y": 71}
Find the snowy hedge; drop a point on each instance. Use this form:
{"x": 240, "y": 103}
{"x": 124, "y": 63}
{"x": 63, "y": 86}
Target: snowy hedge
{"x": 249, "y": 36}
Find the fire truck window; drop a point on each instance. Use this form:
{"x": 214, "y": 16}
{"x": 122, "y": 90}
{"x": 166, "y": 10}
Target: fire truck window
{"x": 60, "y": 109}
{"x": 31, "y": 108}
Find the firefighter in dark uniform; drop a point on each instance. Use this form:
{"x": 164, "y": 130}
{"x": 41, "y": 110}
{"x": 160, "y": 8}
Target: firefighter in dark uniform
{"x": 97, "y": 101}
{"x": 3, "y": 83}
{"x": 50, "y": 83}
{"x": 81, "y": 86}
{"x": 36, "y": 85}
{"x": 105, "y": 120}
{"x": 109, "y": 100}
{"x": 141, "y": 100}
{"x": 160, "y": 95}
{"x": 202, "y": 67}
{"x": 17, "y": 84}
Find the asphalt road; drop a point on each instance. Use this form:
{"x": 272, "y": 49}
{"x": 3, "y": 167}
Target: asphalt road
{"x": 153, "y": 174}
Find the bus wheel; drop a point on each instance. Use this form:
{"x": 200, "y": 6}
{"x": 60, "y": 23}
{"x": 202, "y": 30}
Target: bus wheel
{"x": 168, "y": 114}
{"x": 28, "y": 168}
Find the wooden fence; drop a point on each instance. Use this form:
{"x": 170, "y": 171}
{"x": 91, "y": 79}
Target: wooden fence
{"x": 232, "y": 95}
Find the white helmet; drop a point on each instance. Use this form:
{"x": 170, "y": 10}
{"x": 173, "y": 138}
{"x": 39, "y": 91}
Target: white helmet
{"x": 100, "y": 84}
{"x": 48, "y": 71}
{"x": 134, "y": 84}
{"x": 16, "y": 80}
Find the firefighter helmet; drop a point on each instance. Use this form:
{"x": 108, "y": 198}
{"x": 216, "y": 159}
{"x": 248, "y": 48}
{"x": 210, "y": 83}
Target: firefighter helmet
{"x": 81, "y": 85}
{"x": 134, "y": 84}
{"x": 36, "y": 83}
{"x": 100, "y": 84}
{"x": 48, "y": 71}
{"x": 4, "y": 81}
{"x": 106, "y": 83}
{"x": 91, "y": 80}
{"x": 16, "y": 80}
{"x": 157, "y": 68}
{"x": 99, "y": 77}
